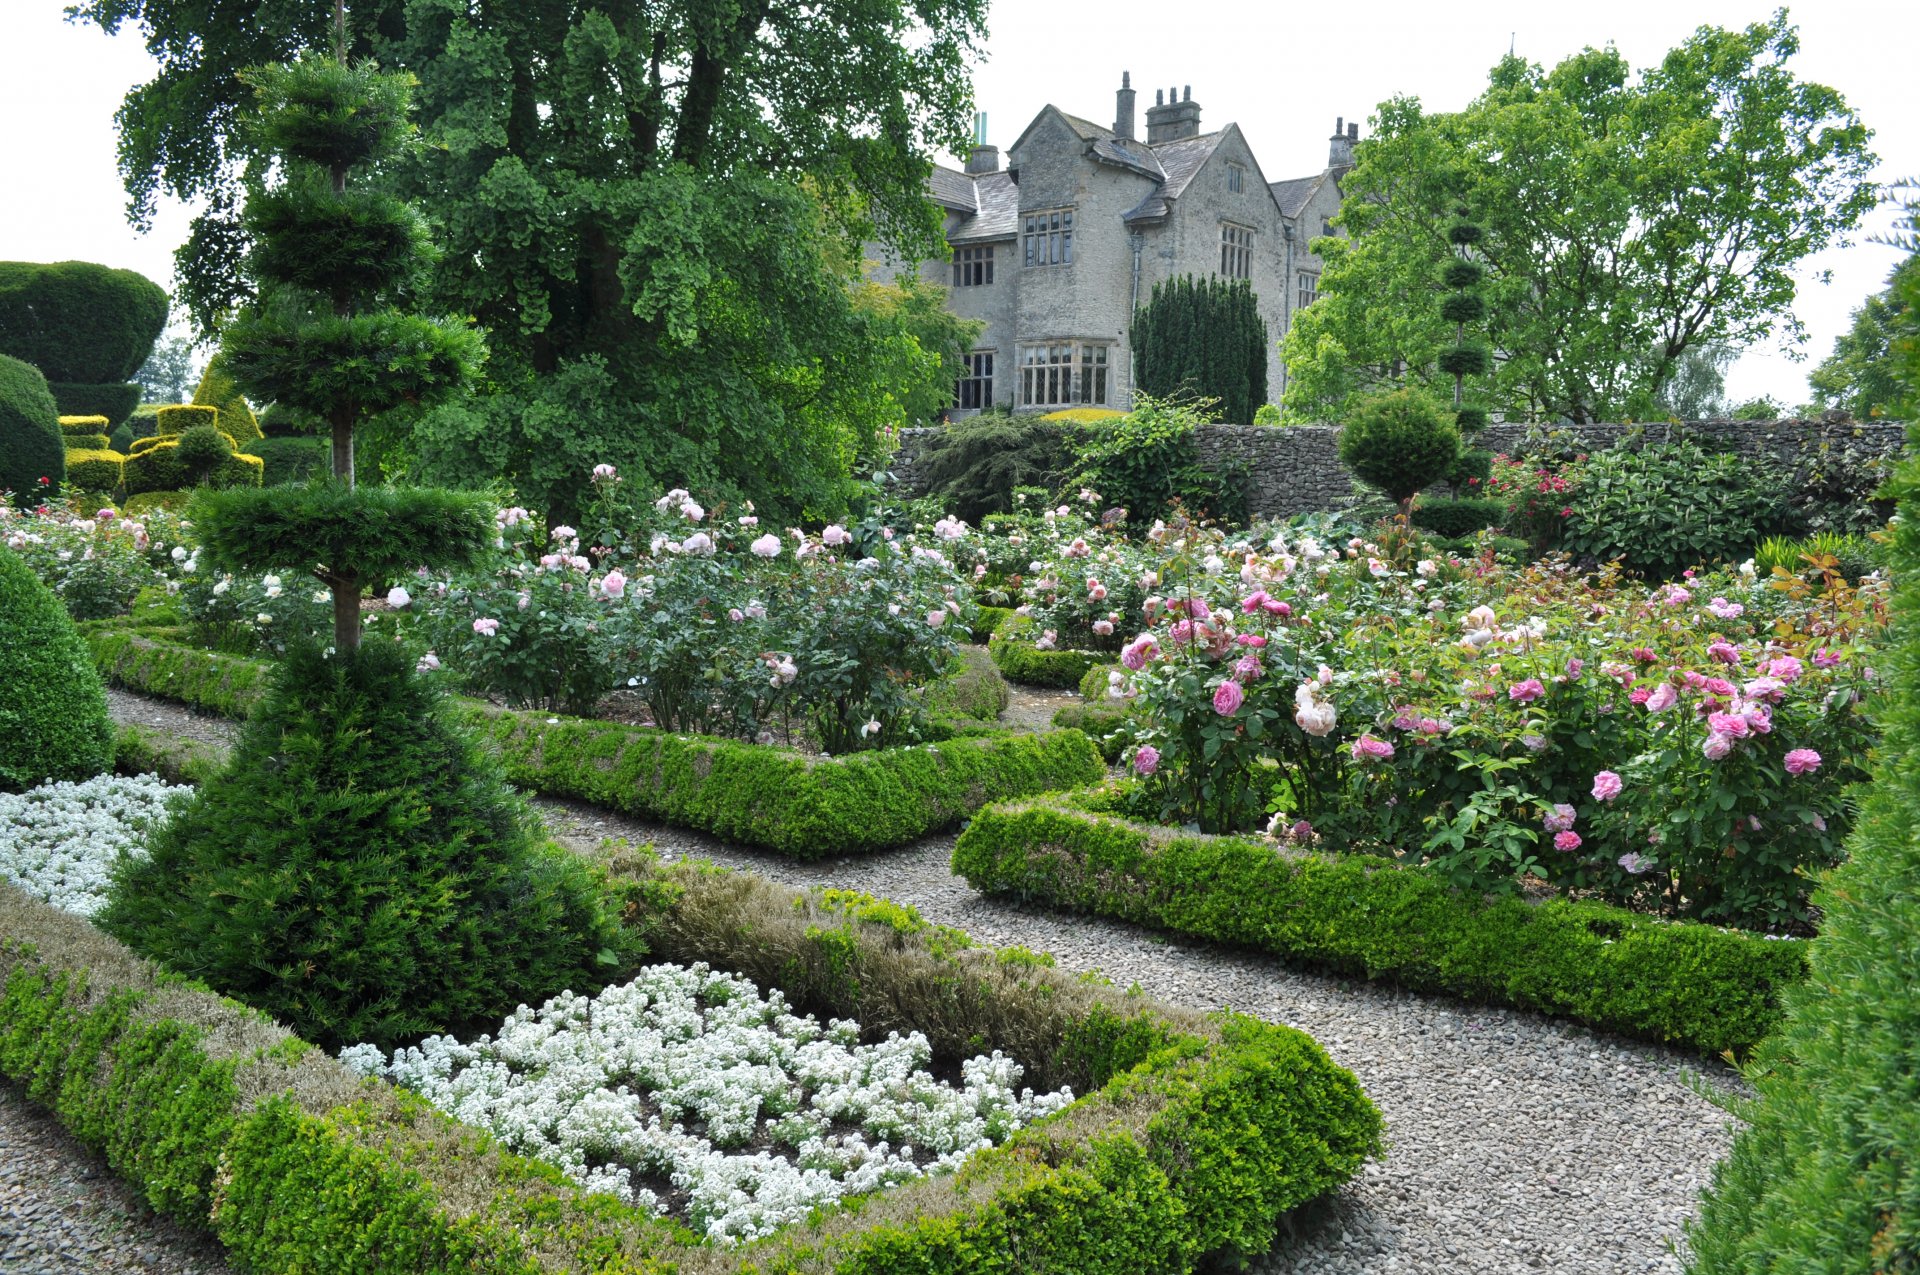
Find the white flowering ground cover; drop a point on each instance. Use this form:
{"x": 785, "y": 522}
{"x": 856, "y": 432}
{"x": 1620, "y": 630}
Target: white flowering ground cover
{"x": 688, "y": 1092}
{"x": 59, "y": 842}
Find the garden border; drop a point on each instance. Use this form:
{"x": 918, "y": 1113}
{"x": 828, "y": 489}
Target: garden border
{"x": 1682, "y": 983}
{"x": 758, "y": 794}
{"x": 1192, "y": 1136}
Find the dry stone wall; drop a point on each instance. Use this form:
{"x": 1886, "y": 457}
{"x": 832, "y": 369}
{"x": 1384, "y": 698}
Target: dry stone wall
{"x": 1297, "y": 469}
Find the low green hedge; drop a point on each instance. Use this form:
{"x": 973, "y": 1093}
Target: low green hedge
{"x": 1192, "y": 1138}
{"x": 1688, "y": 984}
{"x": 1013, "y": 650}
{"x": 1108, "y": 728}
{"x": 986, "y": 619}
{"x": 808, "y": 807}
{"x": 973, "y": 689}
{"x": 1458, "y": 519}
{"x": 140, "y": 750}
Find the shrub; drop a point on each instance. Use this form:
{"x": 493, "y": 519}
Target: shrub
{"x": 1663, "y": 507}
{"x": 80, "y": 322}
{"x": 86, "y": 442}
{"x": 361, "y": 872}
{"x": 1267, "y": 414}
{"x": 290, "y": 460}
{"x": 139, "y": 506}
{"x": 94, "y": 470}
{"x": 33, "y": 459}
{"x": 1457, "y": 518}
{"x": 155, "y": 465}
{"x": 175, "y": 419}
{"x": 53, "y": 713}
{"x": 1695, "y": 985}
{"x": 1012, "y": 647}
{"x": 972, "y": 688}
{"x": 972, "y": 465}
{"x": 1400, "y": 442}
{"x": 1150, "y": 458}
{"x": 1852, "y": 556}
{"x": 1202, "y": 338}
{"x": 218, "y": 391}
{"x": 83, "y": 426}
{"x": 114, "y": 402}
{"x": 200, "y": 449}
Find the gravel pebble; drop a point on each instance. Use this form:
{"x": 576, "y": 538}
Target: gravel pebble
{"x": 1515, "y": 1143}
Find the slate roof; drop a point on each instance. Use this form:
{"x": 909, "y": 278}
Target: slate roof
{"x": 998, "y": 204}
{"x": 1292, "y": 195}
{"x": 953, "y": 189}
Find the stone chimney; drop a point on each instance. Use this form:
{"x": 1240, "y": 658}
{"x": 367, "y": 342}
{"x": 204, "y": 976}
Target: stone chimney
{"x": 983, "y": 159}
{"x": 1340, "y": 149}
{"x": 1123, "y": 108}
{"x": 1174, "y": 119}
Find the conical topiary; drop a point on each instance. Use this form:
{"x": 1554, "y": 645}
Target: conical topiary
{"x": 362, "y": 872}
{"x": 53, "y": 712}
{"x": 217, "y": 390}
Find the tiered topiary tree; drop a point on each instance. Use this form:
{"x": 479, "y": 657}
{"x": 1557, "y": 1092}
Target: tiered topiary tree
{"x": 33, "y": 455}
{"x": 1462, "y": 305}
{"x": 359, "y": 869}
{"x": 217, "y": 390}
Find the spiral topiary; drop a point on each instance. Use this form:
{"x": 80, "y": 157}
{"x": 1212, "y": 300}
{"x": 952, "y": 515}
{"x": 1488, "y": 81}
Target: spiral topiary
{"x": 53, "y": 712}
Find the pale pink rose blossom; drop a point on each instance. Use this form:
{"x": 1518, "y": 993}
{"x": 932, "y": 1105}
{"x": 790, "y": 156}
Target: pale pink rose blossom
{"x": 486, "y": 627}
{"x": 1228, "y": 698}
{"x": 1802, "y": 761}
{"x": 613, "y": 584}
{"x": 767, "y": 546}
{"x": 1716, "y": 747}
{"x": 1367, "y": 748}
{"x": 1566, "y": 842}
{"x": 1606, "y": 785}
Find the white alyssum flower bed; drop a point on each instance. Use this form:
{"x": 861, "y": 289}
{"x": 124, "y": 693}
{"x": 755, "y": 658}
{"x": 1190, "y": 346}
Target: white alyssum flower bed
{"x": 688, "y": 1091}
{"x": 59, "y": 842}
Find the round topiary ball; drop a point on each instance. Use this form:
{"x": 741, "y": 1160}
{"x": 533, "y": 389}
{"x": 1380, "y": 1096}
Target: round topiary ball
{"x": 1400, "y": 442}
{"x": 361, "y": 870}
{"x": 201, "y": 448}
{"x": 33, "y": 455}
{"x": 53, "y": 711}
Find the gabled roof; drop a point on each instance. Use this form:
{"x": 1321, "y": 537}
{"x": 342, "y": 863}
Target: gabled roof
{"x": 998, "y": 215}
{"x": 1292, "y": 195}
{"x": 953, "y": 189}
{"x": 1178, "y": 162}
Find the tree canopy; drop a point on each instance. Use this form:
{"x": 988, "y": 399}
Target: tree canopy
{"x": 1862, "y": 375}
{"x": 1629, "y": 219}
{"x": 650, "y": 209}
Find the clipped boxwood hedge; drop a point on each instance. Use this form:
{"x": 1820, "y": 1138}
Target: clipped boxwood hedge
{"x": 808, "y": 807}
{"x": 1013, "y": 650}
{"x": 1192, "y": 1137}
{"x": 973, "y": 690}
{"x": 1695, "y": 985}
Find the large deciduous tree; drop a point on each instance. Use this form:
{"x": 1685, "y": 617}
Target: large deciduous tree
{"x": 1862, "y": 375}
{"x": 1629, "y": 219}
{"x": 649, "y": 208}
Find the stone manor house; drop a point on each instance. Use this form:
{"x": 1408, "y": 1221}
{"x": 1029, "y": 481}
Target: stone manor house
{"x": 1056, "y": 250}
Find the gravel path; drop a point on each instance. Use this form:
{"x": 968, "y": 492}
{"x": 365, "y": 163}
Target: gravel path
{"x": 1515, "y": 1143}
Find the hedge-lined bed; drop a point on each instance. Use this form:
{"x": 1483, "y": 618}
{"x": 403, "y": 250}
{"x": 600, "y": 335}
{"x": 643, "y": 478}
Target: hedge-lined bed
{"x": 1013, "y": 650}
{"x": 784, "y": 800}
{"x": 1194, "y": 1135}
{"x": 1688, "y": 984}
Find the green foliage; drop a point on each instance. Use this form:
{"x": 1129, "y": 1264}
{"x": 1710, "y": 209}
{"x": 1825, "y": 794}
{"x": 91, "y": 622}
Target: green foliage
{"x": 1146, "y": 460}
{"x": 225, "y": 684}
{"x": 31, "y": 448}
{"x": 83, "y": 442}
{"x": 1825, "y": 1175}
{"x": 94, "y": 469}
{"x": 1203, "y": 338}
{"x": 384, "y": 531}
{"x": 114, "y": 400}
{"x": 79, "y": 322}
{"x": 1629, "y": 217}
{"x": 1267, "y": 414}
{"x": 1012, "y": 647}
{"x": 361, "y": 872}
{"x": 1862, "y": 375}
{"x": 200, "y": 449}
{"x": 167, "y": 375}
{"x": 53, "y": 713}
{"x": 1400, "y": 442}
{"x": 1454, "y": 519}
{"x": 972, "y": 465}
{"x": 1663, "y": 507}
{"x": 217, "y": 390}
{"x": 174, "y": 419}
{"x": 349, "y": 365}
{"x": 1696, "y": 985}
{"x": 1852, "y": 556}
{"x": 973, "y": 688}
{"x": 82, "y": 427}
{"x": 155, "y": 466}
{"x": 290, "y": 460}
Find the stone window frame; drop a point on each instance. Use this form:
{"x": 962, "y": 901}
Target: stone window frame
{"x": 1046, "y": 237}
{"x": 1236, "y": 250}
{"x": 1067, "y": 372}
{"x": 1236, "y": 178}
{"x": 974, "y": 389}
{"x": 1308, "y": 290}
{"x": 973, "y": 266}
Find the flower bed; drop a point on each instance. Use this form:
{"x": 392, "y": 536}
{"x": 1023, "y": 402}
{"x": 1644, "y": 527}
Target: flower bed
{"x": 58, "y": 842}
{"x": 1696, "y": 985}
{"x": 1195, "y": 1137}
{"x": 762, "y": 795}
{"x": 607, "y": 1086}
{"x": 1016, "y": 648}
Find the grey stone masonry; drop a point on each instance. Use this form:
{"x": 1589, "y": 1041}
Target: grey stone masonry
{"x": 1297, "y": 469}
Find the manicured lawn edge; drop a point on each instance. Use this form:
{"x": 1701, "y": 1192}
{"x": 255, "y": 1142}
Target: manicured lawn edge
{"x": 1013, "y": 650}
{"x": 1192, "y": 1139}
{"x": 808, "y": 807}
{"x": 1687, "y": 984}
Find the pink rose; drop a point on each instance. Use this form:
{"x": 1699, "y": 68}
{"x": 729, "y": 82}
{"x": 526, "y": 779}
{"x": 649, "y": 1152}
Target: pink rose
{"x": 1802, "y": 761}
{"x": 485, "y": 627}
{"x": 1786, "y": 668}
{"x": 1716, "y": 747}
{"x": 936, "y": 618}
{"x": 1103, "y": 627}
{"x": 1724, "y": 652}
{"x": 614, "y": 584}
{"x": 1559, "y": 819}
{"x": 1566, "y": 842}
{"x": 835, "y": 535}
{"x": 1146, "y": 760}
{"x": 1228, "y": 698}
{"x": 1824, "y": 658}
{"x": 1606, "y": 786}
{"x": 1663, "y": 698}
{"x": 1273, "y": 606}
{"x": 1367, "y": 748}
{"x": 1728, "y": 724}
{"x": 1137, "y": 652}
{"x": 1640, "y": 694}
{"x": 1250, "y": 639}
{"x": 1253, "y": 601}
{"x": 1526, "y": 692}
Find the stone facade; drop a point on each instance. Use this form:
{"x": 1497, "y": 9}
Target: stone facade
{"x": 1297, "y": 469}
{"x": 1143, "y": 211}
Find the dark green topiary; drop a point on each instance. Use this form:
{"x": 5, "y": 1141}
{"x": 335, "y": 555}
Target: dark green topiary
{"x": 1203, "y": 338}
{"x": 1456, "y": 519}
{"x": 200, "y": 449}
{"x": 1465, "y": 360}
{"x": 1461, "y": 306}
{"x": 362, "y": 872}
{"x": 217, "y": 390}
{"x": 290, "y": 460}
{"x": 80, "y": 322}
{"x": 115, "y": 400}
{"x": 388, "y": 531}
{"x": 31, "y": 448}
{"x": 973, "y": 464}
{"x": 1400, "y": 442}
{"x": 53, "y": 712}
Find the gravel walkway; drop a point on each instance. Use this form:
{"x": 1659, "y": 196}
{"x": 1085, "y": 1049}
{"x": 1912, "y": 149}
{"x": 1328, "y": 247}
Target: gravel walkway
{"x": 1515, "y": 1143}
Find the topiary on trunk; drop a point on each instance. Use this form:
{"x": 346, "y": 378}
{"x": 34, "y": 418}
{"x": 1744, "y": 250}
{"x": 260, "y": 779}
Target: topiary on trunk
{"x": 1401, "y": 443}
{"x": 1462, "y": 305}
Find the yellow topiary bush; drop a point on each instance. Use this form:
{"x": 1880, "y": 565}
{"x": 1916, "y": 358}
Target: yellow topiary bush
{"x": 218, "y": 390}
{"x": 1083, "y": 415}
{"x": 87, "y": 443}
{"x": 153, "y": 467}
{"x": 177, "y": 418}
{"x": 94, "y": 469}
{"x": 82, "y": 426}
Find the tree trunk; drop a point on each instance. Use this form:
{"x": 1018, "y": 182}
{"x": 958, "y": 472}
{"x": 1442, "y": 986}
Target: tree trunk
{"x": 346, "y": 614}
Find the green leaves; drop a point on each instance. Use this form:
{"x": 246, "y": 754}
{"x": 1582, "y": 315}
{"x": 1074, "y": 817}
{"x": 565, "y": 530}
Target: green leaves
{"x": 376, "y": 532}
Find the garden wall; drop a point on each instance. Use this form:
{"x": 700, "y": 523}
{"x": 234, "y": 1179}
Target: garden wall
{"x": 1297, "y": 469}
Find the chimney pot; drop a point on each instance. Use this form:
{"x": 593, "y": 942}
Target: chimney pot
{"x": 1123, "y": 109}
{"x": 984, "y": 159}
{"x": 1353, "y": 132}
{"x": 1126, "y": 79}
{"x": 1173, "y": 117}
{"x": 1159, "y": 98}
{"x": 1339, "y": 124}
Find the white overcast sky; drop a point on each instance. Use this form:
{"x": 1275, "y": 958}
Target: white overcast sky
{"x": 1282, "y": 72}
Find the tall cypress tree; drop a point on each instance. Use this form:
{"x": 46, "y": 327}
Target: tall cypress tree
{"x": 1202, "y": 338}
